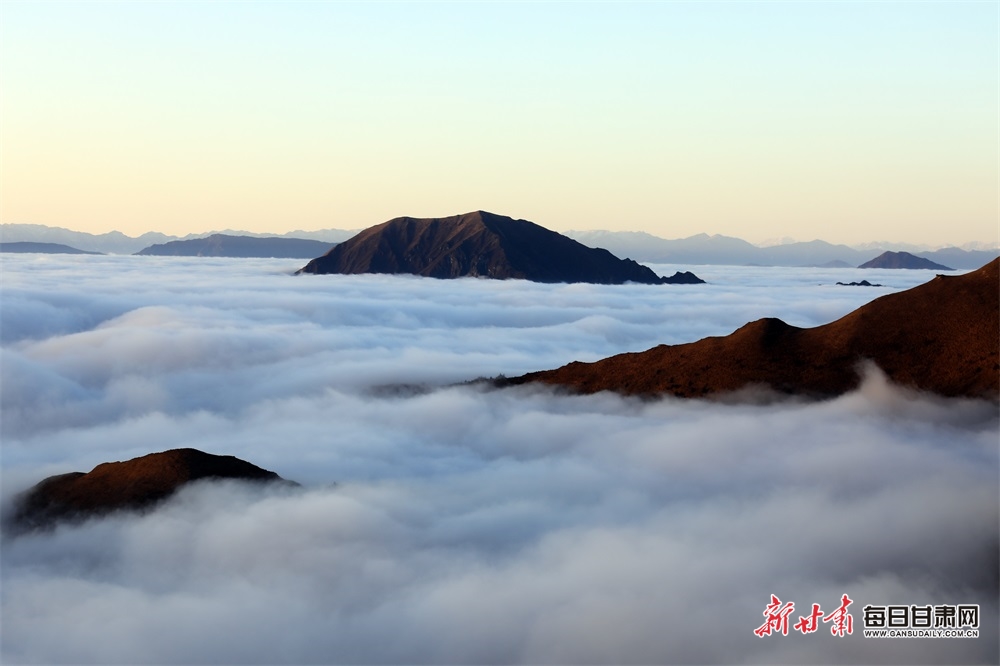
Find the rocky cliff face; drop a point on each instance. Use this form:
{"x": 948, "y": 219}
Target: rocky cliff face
{"x": 481, "y": 244}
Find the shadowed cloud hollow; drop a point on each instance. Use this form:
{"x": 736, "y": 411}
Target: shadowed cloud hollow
{"x": 482, "y": 244}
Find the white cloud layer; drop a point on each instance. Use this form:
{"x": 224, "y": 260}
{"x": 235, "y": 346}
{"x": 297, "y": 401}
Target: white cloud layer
{"x": 456, "y": 524}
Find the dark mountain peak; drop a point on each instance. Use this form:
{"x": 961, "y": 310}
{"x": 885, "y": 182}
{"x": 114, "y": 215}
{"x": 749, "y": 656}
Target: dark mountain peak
{"x": 942, "y": 336}
{"x": 485, "y": 215}
{"x": 480, "y": 244}
{"x": 766, "y": 331}
{"x": 130, "y": 485}
{"x": 902, "y": 260}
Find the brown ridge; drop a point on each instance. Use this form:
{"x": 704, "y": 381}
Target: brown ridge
{"x": 942, "y": 336}
{"x": 133, "y": 484}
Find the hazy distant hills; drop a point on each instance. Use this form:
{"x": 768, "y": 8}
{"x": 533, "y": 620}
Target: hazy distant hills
{"x": 640, "y": 246}
{"x": 481, "y": 244}
{"x": 118, "y": 243}
{"x": 113, "y": 242}
{"x": 903, "y": 260}
{"x": 942, "y": 336}
{"x": 705, "y": 249}
{"x": 223, "y": 245}
{"x": 44, "y": 248}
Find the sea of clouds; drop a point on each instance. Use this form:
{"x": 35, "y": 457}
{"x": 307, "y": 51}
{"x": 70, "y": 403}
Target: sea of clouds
{"x": 449, "y": 523}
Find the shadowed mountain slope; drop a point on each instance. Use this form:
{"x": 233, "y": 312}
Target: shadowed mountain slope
{"x": 133, "y": 484}
{"x": 44, "y": 248}
{"x": 903, "y": 260}
{"x": 941, "y": 336}
{"x": 223, "y": 245}
{"x": 481, "y": 244}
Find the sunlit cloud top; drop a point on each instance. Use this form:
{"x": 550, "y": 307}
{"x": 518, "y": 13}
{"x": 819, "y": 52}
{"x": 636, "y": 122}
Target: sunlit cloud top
{"x": 845, "y": 121}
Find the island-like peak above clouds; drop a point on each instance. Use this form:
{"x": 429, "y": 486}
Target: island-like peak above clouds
{"x": 942, "y": 336}
{"x": 903, "y": 260}
{"x": 133, "y": 484}
{"x": 482, "y": 244}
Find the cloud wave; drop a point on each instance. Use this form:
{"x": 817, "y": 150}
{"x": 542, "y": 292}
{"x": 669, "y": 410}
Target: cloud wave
{"x": 457, "y": 524}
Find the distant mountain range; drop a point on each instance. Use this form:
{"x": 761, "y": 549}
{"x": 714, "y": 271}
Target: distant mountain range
{"x": 637, "y": 245}
{"x": 481, "y": 244}
{"x": 223, "y": 245}
{"x": 116, "y": 242}
{"x": 942, "y": 336}
{"x": 705, "y": 249}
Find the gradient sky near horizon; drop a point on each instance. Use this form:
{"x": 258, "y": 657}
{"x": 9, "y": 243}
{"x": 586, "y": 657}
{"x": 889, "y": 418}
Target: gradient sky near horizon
{"x": 850, "y": 122}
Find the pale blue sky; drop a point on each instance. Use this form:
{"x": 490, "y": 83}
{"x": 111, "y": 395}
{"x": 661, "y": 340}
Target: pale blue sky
{"x": 845, "y": 121}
